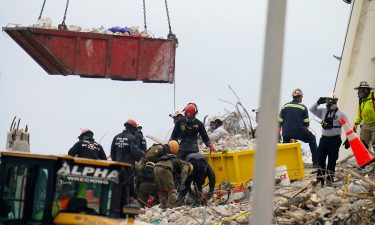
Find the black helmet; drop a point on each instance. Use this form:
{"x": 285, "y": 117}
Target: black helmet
{"x": 86, "y": 133}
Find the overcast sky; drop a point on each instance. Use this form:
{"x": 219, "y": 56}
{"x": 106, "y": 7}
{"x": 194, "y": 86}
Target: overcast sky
{"x": 220, "y": 43}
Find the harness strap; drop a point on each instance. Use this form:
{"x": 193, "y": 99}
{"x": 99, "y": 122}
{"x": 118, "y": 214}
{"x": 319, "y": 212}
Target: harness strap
{"x": 364, "y": 101}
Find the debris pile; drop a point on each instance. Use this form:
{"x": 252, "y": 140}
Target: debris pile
{"x": 233, "y": 143}
{"x": 239, "y": 129}
{"x": 46, "y": 23}
{"x": 305, "y": 203}
{"x": 302, "y": 202}
{"x": 192, "y": 216}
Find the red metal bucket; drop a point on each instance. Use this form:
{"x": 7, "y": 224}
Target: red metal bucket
{"x": 117, "y": 57}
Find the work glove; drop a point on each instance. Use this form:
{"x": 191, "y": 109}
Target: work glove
{"x": 346, "y": 144}
{"x": 212, "y": 148}
{"x": 321, "y": 100}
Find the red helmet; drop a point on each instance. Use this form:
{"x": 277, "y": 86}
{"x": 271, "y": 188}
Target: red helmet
{"x": 131, "y": 122}
{"x": 191, "y": 110}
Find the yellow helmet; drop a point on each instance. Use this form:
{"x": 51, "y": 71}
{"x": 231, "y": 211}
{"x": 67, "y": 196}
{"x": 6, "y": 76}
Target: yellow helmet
{"x": 173, "y": 146}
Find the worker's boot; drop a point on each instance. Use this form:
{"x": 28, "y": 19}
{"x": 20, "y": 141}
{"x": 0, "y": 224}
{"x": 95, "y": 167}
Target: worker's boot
{"x": 163, "y": 201}
{"x": 180, "y": 200}
{"x": 330, "y": 179}
{"x": 318, "y": 180}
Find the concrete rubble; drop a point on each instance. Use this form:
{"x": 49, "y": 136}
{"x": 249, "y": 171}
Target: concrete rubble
{"x": 46, "y": 23}
{"x": 349, "y": 200}
{"x": 302, "y": 202}
{"x": 233, "y": 143}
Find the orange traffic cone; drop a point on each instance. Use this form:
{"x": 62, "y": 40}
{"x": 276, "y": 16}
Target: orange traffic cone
{"x": 360, "y": 152}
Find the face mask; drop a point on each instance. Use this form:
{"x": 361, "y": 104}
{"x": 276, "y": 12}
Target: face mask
{"x": 360, "y": 94}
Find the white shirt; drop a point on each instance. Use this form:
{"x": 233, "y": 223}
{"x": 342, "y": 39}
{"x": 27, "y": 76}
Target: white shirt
{"x": 217, "y": 134}
{"x": 321, "y": 113}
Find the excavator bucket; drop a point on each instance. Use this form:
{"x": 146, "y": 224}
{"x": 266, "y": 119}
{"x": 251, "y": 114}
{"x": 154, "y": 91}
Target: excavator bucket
{"x": 61, "y": 52}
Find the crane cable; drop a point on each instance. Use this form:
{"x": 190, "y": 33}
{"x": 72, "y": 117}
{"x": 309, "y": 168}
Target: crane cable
{"x": 343, "y": 47}
{"x": 144, "y": 15}
{"x": 62, "y": 25}
{"x": 171, "y": 35}
{"x": 174, "y": 92}
{"x": 41, "y": 11}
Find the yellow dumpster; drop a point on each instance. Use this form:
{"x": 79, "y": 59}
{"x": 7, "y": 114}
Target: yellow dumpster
{"x": 238, "y": 167}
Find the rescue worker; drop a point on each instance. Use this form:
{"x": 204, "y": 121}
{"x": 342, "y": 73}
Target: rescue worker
{"x": 201, "y": 171}
{"x": 165, "y": 170}
{"x": 156, "y": 151}
{"x": 124, "y": 148}
{"x": 366, "y": 114}
{"x": 146, "y": 185}
{"x": 217, "y": 129}
{"x": 87, "y": 147}
{"x": 330, "y": 141}
{"x": 177, "y": 115}
{"x": 141, "y": 141}
{"x": 61, "y": 204}
{"x": 294, "y": 122}
{"x": 186, "y": 131}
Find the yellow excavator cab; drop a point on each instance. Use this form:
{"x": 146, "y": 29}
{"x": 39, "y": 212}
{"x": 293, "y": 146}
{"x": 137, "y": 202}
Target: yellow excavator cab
{"x": 61, "y": 189}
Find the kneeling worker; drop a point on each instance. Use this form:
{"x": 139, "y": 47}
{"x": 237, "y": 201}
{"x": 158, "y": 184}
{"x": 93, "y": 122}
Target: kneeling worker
{"x": 166, "y": 170}
{"x": 146, "y": 182}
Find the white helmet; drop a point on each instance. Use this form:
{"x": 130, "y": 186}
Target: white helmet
{"x": 216, "y": 117}
{"x": 331, "y": 96}
{"x": 297, "y": 92}
{"x": 176, "y": 113}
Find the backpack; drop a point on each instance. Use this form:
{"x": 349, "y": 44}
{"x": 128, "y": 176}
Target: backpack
{"x": 174, "y": 160}
{"x": 147, "y": 173}
{"x": 327, "y": 123}
{"x": 155, "y": 153}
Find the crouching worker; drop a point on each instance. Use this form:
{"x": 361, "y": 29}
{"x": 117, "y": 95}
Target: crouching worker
{"x": 166, "y": 170}
{"x": 202, "y": 170}
{"x": 146, "y": 183}
{"x": 147, "y": 187}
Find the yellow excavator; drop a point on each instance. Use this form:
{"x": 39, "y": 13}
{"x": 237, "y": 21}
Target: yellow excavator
{"x": 61, "y": 189}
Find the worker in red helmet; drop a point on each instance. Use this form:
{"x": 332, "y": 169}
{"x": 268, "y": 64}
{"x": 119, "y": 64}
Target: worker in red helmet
{"x": 124, "y": 148}
{"x": 186, "y": 130}
{"x": 87, "y": 147}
